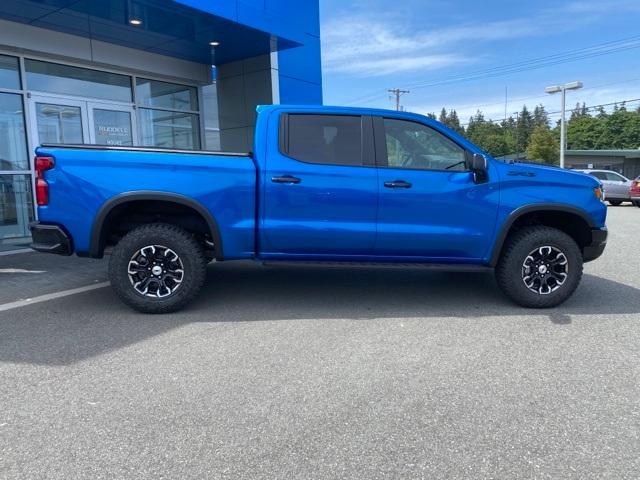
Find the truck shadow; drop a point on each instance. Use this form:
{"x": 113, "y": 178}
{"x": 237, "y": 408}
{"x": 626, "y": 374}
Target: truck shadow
{"x": 73, "y": 329}
{"x": 251, "y": 292}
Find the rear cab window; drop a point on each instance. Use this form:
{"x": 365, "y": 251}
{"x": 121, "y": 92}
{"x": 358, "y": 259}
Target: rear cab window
{"x": 323, "y": 139}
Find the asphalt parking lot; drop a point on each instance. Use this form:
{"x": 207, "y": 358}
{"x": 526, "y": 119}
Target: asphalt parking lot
{"x": 307, "y": 372}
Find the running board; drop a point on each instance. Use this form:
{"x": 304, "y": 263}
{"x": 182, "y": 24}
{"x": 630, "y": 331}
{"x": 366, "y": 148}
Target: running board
{"x": 439, "y": 267}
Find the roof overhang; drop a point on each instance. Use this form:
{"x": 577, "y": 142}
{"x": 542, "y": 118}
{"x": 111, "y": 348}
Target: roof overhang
{"x": 172, "y": 28}
{"x": 603, "y": 153}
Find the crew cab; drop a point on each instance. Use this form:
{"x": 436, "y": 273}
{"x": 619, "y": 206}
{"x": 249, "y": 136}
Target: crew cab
{"x": 322, "y": 184}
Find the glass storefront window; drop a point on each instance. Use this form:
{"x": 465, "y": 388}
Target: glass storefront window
{"x": 59, "y": 123}
{"x": 82, "y": 82}
{"x": 16, "y": 206}
{"x": 13, "y": 141}
{"x": 151, "y": 93}
{"x": 211, "y": 134}
{"x": 9, "y": 72}
{"x": 160, "y": 128}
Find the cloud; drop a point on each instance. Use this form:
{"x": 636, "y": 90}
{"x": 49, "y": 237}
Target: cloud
{"x": 386, "y": 66}
{"x": 366, "y": 44}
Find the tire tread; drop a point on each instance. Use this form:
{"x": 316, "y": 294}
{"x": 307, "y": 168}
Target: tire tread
{"x": 192, "y": 249}
{"x": 508, "y": 271}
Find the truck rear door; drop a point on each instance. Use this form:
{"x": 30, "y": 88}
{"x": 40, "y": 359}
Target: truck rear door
{"x": 319, "y": 187}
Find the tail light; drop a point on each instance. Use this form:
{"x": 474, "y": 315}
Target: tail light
{"x": 42, "y": 164}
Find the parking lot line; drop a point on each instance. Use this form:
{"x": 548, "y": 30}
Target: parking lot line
{"x": 51, "y": 296}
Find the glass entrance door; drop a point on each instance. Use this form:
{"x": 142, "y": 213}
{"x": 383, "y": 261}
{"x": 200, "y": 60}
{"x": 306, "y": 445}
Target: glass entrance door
{"x": 111, "y": 125}
{"x": 57, "y": 120}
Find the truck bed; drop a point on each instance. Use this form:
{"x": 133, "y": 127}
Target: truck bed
{"x": 87, "y": 179}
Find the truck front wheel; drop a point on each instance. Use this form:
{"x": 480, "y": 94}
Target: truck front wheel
{"x": 157, "y": 268}
{"x": 540, "y": 267}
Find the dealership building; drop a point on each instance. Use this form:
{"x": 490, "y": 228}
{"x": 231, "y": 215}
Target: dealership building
{"x": 182, "y": 74}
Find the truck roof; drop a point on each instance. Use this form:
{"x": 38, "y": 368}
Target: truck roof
{"x": 376, "y": 112}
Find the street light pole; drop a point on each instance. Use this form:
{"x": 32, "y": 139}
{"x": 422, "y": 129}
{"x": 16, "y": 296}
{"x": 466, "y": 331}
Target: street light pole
{"x": 563, "y": 127}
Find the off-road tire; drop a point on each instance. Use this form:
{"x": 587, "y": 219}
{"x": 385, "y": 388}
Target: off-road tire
{"x": 189, "y": 251}
{"x": 510, "y": 274}
{"x": 615, "y": 203}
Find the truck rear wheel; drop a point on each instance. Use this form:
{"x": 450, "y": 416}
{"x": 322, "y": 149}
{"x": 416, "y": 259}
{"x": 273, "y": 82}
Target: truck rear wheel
{"x": 157, "y": 268}
{"x": 540, "y": 267}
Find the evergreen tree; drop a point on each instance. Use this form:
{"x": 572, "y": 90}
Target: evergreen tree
{"x": 453, "y": 122}
{"x": 443, "y": 116}
{"x": 509, "y": 131}
{"x": 524, "y": 127}
{"x": 487, "y": 135}
{"x": 540, "y": 117}
{"x": 584, "y": 133}
{"x": 579, "y": 112}
{"x": 543, "y": 146}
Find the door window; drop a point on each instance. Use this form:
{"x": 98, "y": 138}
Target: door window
{"x": 416, "y": 146}
{"x": 325, "y": 139}
{"x": 112, "y": 127}
{"x": 59, "y": 123}
{"x": 614, "y": 177}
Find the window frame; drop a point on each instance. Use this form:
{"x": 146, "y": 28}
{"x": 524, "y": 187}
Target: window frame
{"x": 382, "y": 156}
{"x": 367, "y": 154}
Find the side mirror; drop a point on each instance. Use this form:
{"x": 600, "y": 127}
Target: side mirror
{"x": 479, "y": 168}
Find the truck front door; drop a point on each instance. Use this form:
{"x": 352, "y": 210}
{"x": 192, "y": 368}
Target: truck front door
{"x": 430, "y": 206}
{"x": 319, "y": 188}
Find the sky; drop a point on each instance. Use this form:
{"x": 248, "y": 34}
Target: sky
{"x": 470, "y": 55}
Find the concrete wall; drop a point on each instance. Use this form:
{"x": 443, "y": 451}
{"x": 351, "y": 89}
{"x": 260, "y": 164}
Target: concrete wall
{"x": 242, "y": 85}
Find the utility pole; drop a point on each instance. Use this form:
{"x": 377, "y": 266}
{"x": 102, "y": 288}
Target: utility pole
{"x": 398, "y": 93}
{"x": 506, "y": 98}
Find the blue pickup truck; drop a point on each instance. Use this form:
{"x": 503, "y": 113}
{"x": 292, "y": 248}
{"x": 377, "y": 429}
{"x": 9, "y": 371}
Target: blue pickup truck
{"x": 322, "y": 184}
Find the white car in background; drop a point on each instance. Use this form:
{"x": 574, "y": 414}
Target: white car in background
{"x": 616, "y": 187}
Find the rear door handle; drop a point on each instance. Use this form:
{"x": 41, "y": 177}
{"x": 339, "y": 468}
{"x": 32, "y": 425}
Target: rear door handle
{"x": 286, "y": 179}
{"x": 398, "y": 184}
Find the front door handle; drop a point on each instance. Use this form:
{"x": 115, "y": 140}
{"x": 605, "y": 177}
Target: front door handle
{"x": 398, "y": 184}
{"x": 286, "y": 179}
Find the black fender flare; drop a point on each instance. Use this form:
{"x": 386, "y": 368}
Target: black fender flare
{"x": 537, "y": 207}
{"x": 96, "y": 248}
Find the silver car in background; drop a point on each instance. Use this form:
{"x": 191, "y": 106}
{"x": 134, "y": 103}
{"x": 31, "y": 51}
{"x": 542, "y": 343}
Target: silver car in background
{"x": 616, "y": 187}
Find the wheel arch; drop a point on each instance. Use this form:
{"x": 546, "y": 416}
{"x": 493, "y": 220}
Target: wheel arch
{"x": 99, "y": 233}
{"x": 579, "y": 221}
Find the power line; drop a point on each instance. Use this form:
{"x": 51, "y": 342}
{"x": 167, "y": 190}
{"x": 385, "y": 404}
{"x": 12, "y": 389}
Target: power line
{"x": 596, "y": 50}
{"x": 520, "y": 99}
{"x": 588, "y": 52}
